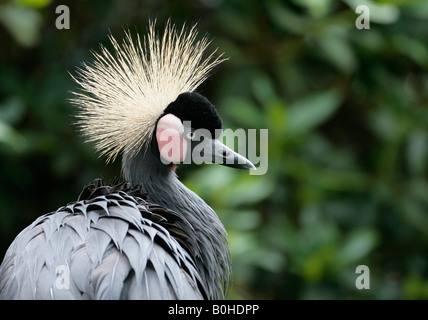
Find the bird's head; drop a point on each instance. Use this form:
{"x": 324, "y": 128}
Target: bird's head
{"x": 188, "y": 132}
{"x": 142, "y": 98}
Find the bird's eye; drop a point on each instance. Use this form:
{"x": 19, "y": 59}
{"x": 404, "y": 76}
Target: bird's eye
{"x": 190, "y": 135}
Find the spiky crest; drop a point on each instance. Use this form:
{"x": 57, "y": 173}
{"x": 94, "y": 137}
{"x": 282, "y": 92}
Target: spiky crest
{"x": 123, "y": 94}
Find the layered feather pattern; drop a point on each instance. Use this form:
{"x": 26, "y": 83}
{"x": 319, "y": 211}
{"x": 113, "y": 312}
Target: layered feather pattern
{"x": 107, "y": 245}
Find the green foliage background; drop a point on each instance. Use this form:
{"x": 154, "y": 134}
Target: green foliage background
{"x": 347, "y": 116}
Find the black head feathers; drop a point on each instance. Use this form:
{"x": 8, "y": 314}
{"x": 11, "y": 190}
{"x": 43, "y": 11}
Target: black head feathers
{"x": 191, "y": 106}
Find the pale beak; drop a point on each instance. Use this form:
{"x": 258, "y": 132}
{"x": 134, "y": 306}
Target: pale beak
{"x": 214, "y": 151}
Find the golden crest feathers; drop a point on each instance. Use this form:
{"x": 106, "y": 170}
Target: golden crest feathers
{"x": 123, "y": 94}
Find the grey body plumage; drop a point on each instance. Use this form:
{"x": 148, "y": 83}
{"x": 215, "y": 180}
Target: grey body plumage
{"x": 112, "y": 246}
{"x": 149, "y": 237}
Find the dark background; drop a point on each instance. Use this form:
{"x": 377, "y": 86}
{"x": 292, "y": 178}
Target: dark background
{"x": 347, "y": 116}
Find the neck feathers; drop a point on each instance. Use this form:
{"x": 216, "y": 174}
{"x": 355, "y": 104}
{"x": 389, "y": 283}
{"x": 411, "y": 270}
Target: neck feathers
{"x": 164, "y": 188}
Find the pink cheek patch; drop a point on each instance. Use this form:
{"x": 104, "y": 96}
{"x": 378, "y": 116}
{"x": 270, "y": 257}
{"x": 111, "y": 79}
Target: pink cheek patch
{"x": 172, "y": 145}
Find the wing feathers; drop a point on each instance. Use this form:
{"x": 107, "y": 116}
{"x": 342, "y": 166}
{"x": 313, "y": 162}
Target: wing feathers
{"x": 102, "y": 248}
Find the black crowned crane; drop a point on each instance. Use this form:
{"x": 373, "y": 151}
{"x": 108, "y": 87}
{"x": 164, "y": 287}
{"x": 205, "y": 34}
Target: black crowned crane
{"x": 148, "y": 237}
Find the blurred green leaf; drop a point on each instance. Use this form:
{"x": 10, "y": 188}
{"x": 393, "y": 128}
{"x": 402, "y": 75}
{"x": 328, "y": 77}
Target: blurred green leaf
{"x": 12, "y": 110}
{"x": 263, "y": 88}
{"x": 285, "y": 18}
{"x": 35, "y": 3}
{"x": 356, "y": 247}
{"x": 416, "y": 288}
{"x": 23, "y": 23}
{"x": 384, "y": 13}
{"x": 12, "y": 138}
{"x": 336, "y": 49}
{"x": 417, "y": 8}
{"x": 240, "y": 219}
{"x": 317, "y": 263}
{"x": 270, "y": 260}
{"x": 414, "y": 49}
{"x": 317, "y": 8}
{"x": 248, "y": 190}
{"x": 306, "y": 114}
{"x": 417, "y": 152}
{"x": 243, "y": 112}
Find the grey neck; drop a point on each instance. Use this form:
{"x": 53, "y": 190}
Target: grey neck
{"x": 164, "y": 188}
